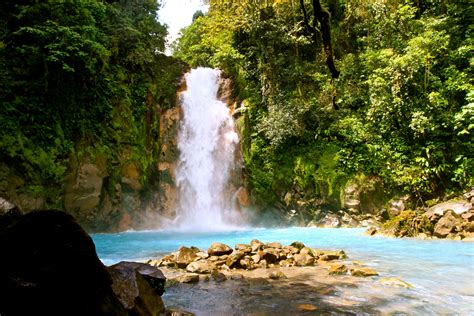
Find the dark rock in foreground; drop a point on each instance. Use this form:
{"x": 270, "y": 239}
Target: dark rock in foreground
{"x": 49, "y": 267}
{"x": 138, "y": 287}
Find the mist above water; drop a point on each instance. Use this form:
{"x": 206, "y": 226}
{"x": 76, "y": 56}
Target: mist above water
{"x": 207, "y": 142}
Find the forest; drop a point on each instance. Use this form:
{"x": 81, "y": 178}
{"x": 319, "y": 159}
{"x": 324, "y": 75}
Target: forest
{"x": 376, "y": 93}
{"x": 399, "y": 112}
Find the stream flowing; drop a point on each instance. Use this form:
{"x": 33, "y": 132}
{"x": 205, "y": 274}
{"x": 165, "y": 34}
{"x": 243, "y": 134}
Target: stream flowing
{"x": 439, "y": 270}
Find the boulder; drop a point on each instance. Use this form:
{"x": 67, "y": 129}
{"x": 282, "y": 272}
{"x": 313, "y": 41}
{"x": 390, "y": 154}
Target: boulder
{"x": 256, "y": 245}
{"x": 185, "y": 256}
{"x": 297, "y": 245}
{"x": 337, "y": 269}
{"x": 274, "y": 245}
{"x": 246, "y": 249}
{"x": 307, "y": 251}
{"x": 395, "y": 282}
{"x": 332, "y": 255}
{"x": 199, "y": 267}
{"x": 363, "y": 272}
{"x": 446, "y": 224}
{"x": 233, "y": 258}
{"x": 457, "y": 206}
{"x": 303, "y": 260}
{"x": 49, "y": 267}
{"x": 218, "y": 276}
{"x": 138, "y": 286}
{"x": 270, "y": 255}
{"x": 219, "y": 249}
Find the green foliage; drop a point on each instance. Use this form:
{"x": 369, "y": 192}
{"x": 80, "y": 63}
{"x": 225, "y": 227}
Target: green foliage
{"x": 408, "y": 224}
{"x": 81, "y": 76}
{"x": 401, "y": 110}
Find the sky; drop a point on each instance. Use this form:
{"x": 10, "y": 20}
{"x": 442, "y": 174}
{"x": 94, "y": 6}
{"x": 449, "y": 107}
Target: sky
{"x": 178, "y": 14}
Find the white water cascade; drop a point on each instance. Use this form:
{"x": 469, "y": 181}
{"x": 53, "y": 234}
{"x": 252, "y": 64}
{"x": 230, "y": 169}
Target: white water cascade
{"x": 207, "y": 142}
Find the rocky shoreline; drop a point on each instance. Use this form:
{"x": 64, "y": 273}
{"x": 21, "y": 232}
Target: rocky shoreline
{"x": 266, "y": 268}
{"x": 453, "y": 219}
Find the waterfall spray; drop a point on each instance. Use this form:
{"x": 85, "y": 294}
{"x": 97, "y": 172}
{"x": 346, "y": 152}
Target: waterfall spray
{"x": 207, "y": 142}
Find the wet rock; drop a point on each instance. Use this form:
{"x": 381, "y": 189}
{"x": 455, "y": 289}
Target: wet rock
{"x": 371, "y": 231}
{"x": 270, "y": 255}
{"x": 277, "y": 275}
{"x": 395, "y": 282}
{"x": 219, "y": 249}
{"x": 218, "y": 276}
{"x": 256, "y": 245}
{"x": 274, "y": 245}
{"x": 303, "y": 260}
{"x": 50, "y": 267}
{"x": 298, "y": 245}
{"x": 332, "y": 255}
{"x": 447, "y": 224}
{"x": 337, "y": 269}
{"x": 233, "y": 258}
{"x": 185, "y": 256}
{"x": 199, "y": 267}
{"x": 307, "y": 251}
{"x": 188, "y": 278}
{"x": 138, "y": 286}
{"x": 246, "y": 249}
{"x": 363, "y": 272}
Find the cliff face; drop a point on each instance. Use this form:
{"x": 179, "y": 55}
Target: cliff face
{"x": 116, "y": 187}
{"x": 107, "y": 185}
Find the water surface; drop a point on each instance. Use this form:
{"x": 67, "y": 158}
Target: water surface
{"x": 441, "y": 271}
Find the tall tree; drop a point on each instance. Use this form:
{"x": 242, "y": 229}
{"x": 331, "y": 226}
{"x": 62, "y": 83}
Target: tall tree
{"x": 321, "y": 16}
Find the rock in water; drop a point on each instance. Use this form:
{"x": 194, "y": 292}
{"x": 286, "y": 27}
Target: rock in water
{"x": 218, "y": 249}
{"x": 199, "y": 267}
{"x": 50, "y": 267}
{"x": 395, "y": 282}
{"x": 303, "y": 260}
{"x": 256, "y": 245}
{"x": 185, "y": 256}
{"x": 138, "y": 286}
{"x": 363, "y": 272}
{"x": 337, "y": 269}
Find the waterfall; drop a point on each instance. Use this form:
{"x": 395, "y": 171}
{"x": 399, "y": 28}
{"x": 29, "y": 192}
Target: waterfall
{"x": 207, "y": 142}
